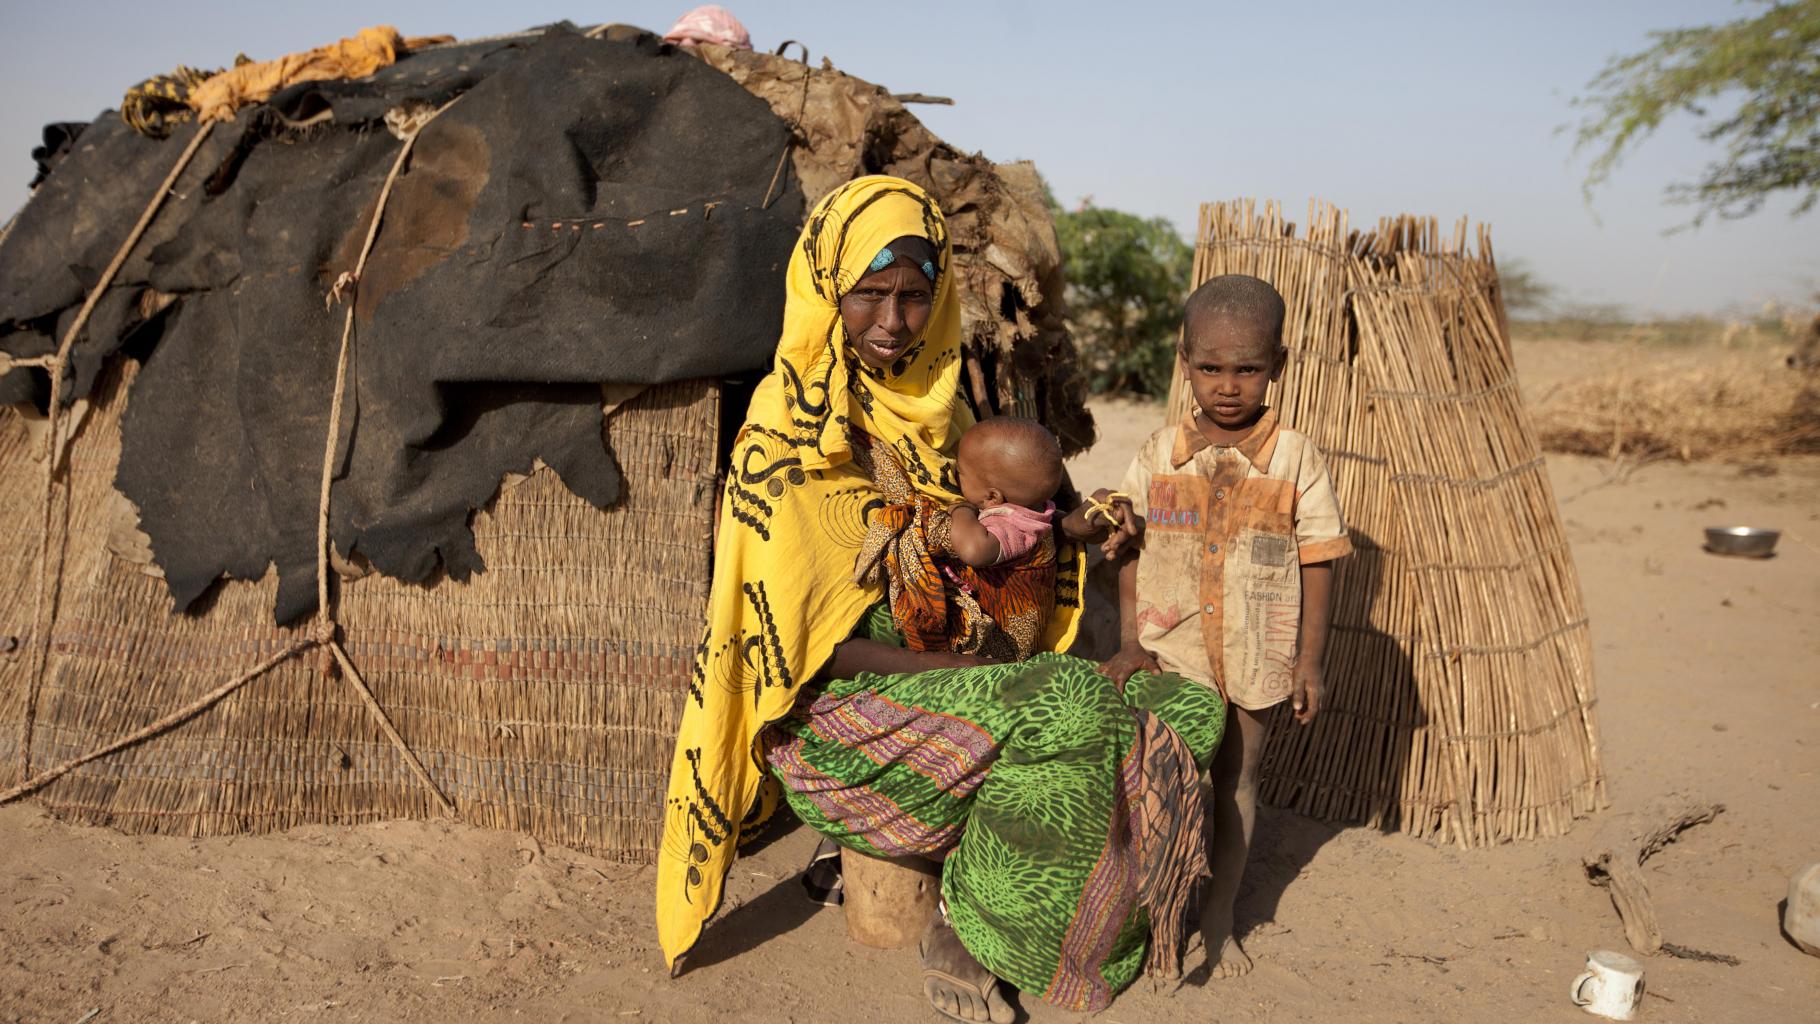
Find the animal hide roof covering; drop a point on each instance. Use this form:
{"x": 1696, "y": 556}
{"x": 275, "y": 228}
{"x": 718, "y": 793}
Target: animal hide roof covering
{"x": 590, "y": 211}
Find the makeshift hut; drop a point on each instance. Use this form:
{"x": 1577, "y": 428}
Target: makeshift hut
{"x": 362, "y": 451}
{"x": 1459, "y": 697}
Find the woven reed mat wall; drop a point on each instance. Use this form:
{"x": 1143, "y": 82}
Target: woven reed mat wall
{"x": 1459, "y": 670}
{"x": 543, "y": 695}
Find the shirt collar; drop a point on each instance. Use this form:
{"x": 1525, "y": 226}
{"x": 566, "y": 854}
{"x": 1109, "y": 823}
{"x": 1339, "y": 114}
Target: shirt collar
{"x": 1258, "y": 444}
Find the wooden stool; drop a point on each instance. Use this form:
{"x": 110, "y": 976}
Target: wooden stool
{"x": 888, "y": 902}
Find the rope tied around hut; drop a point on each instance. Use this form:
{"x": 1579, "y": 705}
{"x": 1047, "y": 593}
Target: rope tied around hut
{"x": 323, "y": 633}
{"x": 56, "y": 366}
{"x": 529, "y": 626}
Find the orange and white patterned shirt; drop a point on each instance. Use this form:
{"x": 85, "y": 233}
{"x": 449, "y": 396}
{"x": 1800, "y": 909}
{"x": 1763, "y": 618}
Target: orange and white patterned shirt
{"x": 1227, "y": 529}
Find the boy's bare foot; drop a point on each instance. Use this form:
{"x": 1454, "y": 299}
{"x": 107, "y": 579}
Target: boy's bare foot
{"x": 1225, "y": 957}
{"x": 1230, "y": 962}
{"x": 1232, "y": 812}
{"x": 955, "y": 983}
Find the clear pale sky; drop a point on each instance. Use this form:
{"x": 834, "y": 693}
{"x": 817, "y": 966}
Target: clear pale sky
{"x": 1447, "y": 108}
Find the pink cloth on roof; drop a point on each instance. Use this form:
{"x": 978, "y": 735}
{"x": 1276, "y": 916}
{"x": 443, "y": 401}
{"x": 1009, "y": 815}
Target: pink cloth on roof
{"x": 1016, "y": 528}
{"x": 709, "y": 23}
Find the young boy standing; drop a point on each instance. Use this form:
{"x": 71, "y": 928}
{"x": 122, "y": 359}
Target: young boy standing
{"x": 1232, "y": 583}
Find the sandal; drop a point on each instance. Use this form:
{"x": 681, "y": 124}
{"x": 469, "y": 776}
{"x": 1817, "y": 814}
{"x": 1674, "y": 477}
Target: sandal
{"x": 822, "y": 881}
{"x": 982, "y": 992}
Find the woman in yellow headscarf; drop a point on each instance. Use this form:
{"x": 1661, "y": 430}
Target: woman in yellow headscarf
{"x": 1065, "y": 811}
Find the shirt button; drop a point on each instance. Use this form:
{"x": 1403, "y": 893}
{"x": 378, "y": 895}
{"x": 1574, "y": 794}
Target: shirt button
{"x": 1213, "y": 549}
{"x": 1207, "y": 608}
{"x": 1219, "y": 495}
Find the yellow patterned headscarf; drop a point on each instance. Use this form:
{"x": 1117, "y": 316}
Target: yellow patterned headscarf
{"x": 791, "y": 522}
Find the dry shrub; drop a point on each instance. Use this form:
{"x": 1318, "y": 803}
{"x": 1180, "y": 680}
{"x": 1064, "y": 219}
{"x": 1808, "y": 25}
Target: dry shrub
{"x": 1730, "y": 411}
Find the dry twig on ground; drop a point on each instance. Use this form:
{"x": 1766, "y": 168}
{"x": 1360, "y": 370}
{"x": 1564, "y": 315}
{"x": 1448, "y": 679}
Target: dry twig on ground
{"x": 1615, "y": 865}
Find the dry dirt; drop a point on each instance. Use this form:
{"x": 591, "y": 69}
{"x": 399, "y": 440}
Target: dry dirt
{"x": 1709, "y": 682}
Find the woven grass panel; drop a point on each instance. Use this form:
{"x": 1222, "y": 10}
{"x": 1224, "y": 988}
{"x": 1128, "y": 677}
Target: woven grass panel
{"x": 1459, "y": 673}
{"x": 21, "y": 506}
{"x": 542, "y": 695}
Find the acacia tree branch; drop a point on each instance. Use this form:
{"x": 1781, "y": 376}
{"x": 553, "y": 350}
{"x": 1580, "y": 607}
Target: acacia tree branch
{"x": 1763, "y": 72}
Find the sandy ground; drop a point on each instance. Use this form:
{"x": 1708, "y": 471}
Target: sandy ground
{"x": 1709, "y": 682}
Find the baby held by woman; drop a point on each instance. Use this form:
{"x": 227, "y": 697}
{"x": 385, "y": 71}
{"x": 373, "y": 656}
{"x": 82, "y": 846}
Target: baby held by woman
{"x": 1009, "y": 471}
{"x": 978, "y": 577}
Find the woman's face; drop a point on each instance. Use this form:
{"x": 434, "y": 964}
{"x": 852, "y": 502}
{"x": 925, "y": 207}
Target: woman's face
{"x": 886, "y": 311}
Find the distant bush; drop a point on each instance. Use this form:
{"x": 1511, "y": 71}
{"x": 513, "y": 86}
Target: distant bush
{"x": 1734, "y": 410}
{"x": 1689, "y": 387}
{"x": 1772, "y": 326}
{"x": 1525, "y": 294}
{"x": 1127, "y": 280}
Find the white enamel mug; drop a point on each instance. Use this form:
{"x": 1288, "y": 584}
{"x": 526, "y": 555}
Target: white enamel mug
{"x": 1611, "y": 987}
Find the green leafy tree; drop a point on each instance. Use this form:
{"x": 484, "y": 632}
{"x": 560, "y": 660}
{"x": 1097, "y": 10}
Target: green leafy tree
{"x": 1127, "y": 280}
{"x": 1754, "y": 86}
{"x": 1526, "y": 295}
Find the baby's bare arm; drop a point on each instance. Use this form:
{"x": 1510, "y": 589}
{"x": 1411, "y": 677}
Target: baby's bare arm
{"x": 1116, "y": 529}
{"x": 1083, "y": 525}
{"x": 970, "y": 541}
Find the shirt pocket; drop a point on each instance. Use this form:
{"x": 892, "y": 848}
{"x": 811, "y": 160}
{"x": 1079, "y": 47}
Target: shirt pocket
{"x": 1263, "y": 557}
{"x": 1264, "y": 511}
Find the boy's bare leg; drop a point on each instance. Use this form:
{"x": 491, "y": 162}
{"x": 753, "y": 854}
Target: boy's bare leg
{"x": 1234, "y": 810}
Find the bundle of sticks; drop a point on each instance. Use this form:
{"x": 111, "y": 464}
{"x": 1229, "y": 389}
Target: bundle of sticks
{"x": 1460, "y": 702}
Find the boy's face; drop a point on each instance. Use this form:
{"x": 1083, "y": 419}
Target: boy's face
{"x": 1229, "y": 364}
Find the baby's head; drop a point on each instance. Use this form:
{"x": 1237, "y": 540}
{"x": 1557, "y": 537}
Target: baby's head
{"x": 1005, "y": 460}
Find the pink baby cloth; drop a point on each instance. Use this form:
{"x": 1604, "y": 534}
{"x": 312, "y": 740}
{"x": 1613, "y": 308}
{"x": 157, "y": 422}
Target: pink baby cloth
{"x": 1016, "y": 528}
{"x": 709, "y": 23}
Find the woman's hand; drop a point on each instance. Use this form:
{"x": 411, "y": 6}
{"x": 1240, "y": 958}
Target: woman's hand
{"x": 948, "y": 659}
{"x": 1130, "y": 660}
{"x": 862, "y": 654}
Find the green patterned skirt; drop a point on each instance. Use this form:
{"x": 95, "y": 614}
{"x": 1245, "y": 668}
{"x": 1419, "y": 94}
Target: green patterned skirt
{"x": 1066, "y": 813}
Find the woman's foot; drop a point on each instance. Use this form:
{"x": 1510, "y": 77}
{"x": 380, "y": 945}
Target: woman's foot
{"x": 955, "y": 983}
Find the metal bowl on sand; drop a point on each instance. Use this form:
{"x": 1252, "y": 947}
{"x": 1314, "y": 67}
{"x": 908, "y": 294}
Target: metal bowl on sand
{"x": 1741, "y": 541}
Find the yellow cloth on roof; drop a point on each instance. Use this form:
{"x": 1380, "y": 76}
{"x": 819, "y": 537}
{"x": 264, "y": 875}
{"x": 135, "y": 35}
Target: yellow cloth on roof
{"x": 357, "y": 56}
{"x": 791, "y": 522}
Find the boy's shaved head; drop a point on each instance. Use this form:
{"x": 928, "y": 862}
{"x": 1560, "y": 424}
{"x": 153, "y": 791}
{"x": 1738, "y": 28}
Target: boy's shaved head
{"x": 1238, "y": 298}
{"x": 1232, "y": 348}
{"x": 1016, "y": 456}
